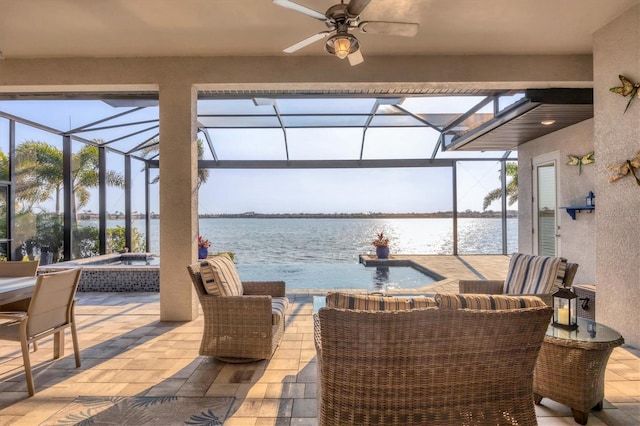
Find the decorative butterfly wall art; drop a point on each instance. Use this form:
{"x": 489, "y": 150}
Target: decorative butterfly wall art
{"x": 628, "y": 88}
{"x": 622, "y": 169}
{"x": 576, "y": 160}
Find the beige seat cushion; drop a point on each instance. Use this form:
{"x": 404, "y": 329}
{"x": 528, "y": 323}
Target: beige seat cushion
{"x": 487, "y": 302}
{"x": 220, "y": 277}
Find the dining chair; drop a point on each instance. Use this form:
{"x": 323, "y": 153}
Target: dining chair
{"x": 50, "y": 312}
{"x": 18, "y": 268}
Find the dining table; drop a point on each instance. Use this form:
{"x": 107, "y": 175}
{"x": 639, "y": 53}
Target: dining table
{"x": 13, "y": 289}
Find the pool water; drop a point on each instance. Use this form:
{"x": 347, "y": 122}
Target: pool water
{"x": 336, "y": 276}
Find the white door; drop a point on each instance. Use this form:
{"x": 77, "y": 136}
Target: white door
{"x": 546, "y": 227}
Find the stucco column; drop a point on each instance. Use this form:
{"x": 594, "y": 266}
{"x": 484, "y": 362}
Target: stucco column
{"x": 617, "y": 234}
{"x": 178, "y": 200}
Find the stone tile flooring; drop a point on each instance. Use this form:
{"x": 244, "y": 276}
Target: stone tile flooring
{"x": 127, "y": 351}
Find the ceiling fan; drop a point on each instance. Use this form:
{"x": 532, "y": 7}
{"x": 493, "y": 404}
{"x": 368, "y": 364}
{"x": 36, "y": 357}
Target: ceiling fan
{"x": 340, "y": 18}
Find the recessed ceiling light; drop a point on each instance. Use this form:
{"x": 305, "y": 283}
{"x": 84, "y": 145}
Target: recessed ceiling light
{"x": 547, "y": 122}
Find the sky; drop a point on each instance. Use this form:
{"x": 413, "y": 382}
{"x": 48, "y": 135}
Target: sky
{"x": 393, "y": 190}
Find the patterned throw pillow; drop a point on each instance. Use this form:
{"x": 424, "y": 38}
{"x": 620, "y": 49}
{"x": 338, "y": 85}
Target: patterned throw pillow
{"x": 220, "y": 277}
{"x": 530, "y": 274}
{"x": 487, "y": 302}
{"x": 208, "y": 278}
{"x": 369, "y": 302}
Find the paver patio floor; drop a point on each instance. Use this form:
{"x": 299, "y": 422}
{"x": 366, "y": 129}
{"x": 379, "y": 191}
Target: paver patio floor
{"x": 127, "y": 351}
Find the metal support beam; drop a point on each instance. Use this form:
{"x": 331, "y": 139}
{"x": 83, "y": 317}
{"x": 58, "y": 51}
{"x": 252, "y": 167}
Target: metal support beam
{"x": 284, "y": 129}
{"x": 116, "y": 126}
{"x": 103, "y": 120}
{"x": 143, "y": 144}
{"x": 454, "y": 207}
{"x": 417, "y": 117}
{"x": 127, "y": 202}
{"x": 366, "y": 126}
{"x": 102, "y": 199}
{"x": 272, "y": 102}
{"x": 207, "y": 137}
{"x": 438, "y": 145}
{"x": 319, "y": 164}
{"x": 130, "y": 135}
{"x": 503, "y": 183}
{"x": 11, "y": 205}
{"x": 147, "y": 207}
{"x": 67, "y": 182}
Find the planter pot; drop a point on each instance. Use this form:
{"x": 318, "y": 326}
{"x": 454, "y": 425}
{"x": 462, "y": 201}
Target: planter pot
{"x": 382, "y": 252}
{"x": 203, "y": 253}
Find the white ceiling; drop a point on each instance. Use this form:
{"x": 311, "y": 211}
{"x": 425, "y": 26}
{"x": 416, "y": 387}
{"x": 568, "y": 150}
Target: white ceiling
{"x": 139, "y": 28}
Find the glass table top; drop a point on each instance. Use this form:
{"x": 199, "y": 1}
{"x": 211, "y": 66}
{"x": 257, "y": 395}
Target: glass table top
{"x": 587, "y": 331}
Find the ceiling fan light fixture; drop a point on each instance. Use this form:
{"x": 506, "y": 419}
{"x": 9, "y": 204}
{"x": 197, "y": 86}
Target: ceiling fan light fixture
{"x": 341, "y": 45}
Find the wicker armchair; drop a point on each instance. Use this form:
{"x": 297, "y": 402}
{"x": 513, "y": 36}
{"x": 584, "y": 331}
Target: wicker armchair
{"x": 241, "y": 328}
{"x": 428, "y": 366}
{"x": 498, "y": 286}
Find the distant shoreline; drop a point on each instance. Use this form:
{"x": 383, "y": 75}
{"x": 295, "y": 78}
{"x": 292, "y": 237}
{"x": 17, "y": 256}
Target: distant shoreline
{"x": 445, "y": 215}
{"x": 250, "y": 215}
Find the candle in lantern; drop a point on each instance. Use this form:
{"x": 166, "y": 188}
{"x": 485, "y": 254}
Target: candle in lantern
{"x": 563, "y": 316}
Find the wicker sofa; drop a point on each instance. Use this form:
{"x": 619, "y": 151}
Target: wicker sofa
{"x": 527, "y": 275}
{"x": 243, "y": 321}
{"x": 445, "y": 364}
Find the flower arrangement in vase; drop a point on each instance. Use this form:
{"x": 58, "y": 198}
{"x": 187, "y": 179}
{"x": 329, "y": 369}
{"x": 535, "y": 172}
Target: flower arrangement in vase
{"x": 381, "y": 243}
{"x": 203, "y": 247}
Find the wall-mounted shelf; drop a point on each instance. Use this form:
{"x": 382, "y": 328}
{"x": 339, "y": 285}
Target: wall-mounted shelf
{"x": 573, "y": 209}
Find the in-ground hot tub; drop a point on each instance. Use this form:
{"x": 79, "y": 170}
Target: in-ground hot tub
{"x": 114, "y": 272}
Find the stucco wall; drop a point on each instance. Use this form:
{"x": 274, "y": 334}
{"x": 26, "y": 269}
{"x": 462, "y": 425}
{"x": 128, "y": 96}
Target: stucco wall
{"x": 617, "y": 138}
{"x": 577, "y": 237}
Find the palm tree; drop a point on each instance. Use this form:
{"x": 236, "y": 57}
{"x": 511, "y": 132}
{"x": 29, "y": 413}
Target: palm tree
{"x": 154, "y": 147}
{"x": 39, "y": 174}
{"x": 512, "y": 187}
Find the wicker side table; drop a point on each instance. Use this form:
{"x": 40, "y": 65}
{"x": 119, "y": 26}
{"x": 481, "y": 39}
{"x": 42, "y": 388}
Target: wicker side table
{"x": 571, "y": 365}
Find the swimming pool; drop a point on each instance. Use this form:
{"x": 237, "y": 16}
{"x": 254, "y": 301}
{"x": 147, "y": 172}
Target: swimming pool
{"x": 337, "y": 276}
{"x": 141, "y": 272}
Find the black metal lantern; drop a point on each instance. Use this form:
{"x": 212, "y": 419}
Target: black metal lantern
{"x": 591, "y": 199}
{"x": 564, "y": 309}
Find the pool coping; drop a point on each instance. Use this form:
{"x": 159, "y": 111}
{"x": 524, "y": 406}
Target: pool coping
{"x": 368, "y": 260}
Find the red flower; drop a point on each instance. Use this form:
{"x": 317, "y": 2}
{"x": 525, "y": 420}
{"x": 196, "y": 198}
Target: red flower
{"x": 381, "y": 241}
{"x": 202, "y": 243}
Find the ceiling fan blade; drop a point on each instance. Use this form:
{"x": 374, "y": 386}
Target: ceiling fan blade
{"x": 301, "y": 9}
{"x": 355, "y": 7}
{"x": 356, "y": 58}
{"x": 404, "y": 29}
{"x": 307, "y": 41}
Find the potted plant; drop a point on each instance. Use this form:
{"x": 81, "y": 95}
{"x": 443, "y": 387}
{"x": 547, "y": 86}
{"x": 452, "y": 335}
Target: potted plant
{"x": 203, "y": 247}
{"x": 382, "y": 246}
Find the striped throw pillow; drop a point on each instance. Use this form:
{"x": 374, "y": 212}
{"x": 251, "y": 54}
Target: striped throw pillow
{"x": 224, "y": 274}
{"x": 487, "y": 302}
{"x": 530, "y": 274}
